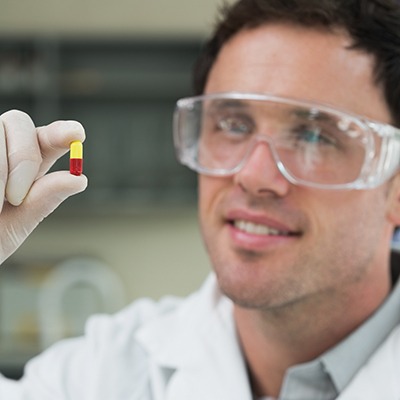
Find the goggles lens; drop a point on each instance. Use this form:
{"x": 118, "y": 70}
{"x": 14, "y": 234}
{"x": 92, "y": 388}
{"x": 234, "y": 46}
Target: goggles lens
{"x": 311, "y": 145}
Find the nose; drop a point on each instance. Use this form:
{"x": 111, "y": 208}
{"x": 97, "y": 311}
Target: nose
{"x": 260, "y": 174}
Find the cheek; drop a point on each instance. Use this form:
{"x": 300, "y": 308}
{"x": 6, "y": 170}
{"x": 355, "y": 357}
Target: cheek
{"x": 210, "y": 190}
{"x": 352, "y": 219}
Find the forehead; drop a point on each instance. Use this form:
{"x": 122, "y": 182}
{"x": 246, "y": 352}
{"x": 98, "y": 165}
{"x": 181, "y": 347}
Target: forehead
{"x": 299, "y": 62}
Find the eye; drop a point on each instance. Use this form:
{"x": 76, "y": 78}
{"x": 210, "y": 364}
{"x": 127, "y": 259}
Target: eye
{"x": 238, "y": 125}
{"x": 313, "y": 135}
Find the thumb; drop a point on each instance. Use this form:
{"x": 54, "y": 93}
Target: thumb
{"x": 45, "y": 195}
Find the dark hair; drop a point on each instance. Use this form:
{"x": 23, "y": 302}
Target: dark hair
{"x": 373, "y": 25}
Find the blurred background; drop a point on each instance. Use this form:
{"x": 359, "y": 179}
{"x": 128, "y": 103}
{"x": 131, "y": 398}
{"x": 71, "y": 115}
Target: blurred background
{"x": 118, "y": 68}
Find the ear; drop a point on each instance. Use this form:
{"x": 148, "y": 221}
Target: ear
{"x": 393, "y": 204}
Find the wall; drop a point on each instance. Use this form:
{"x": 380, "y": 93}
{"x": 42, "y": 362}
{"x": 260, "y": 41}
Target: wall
{"x": 93, "y": 17}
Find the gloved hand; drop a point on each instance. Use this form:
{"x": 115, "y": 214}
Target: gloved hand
{"x": 27, "y": 193}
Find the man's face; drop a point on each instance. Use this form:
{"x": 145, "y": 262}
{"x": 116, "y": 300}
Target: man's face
{"x": 274, "y": 243}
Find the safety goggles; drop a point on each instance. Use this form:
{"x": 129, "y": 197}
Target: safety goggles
{"x": 311, "y": 144}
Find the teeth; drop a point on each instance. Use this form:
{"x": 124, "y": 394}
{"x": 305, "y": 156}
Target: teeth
{"x": 256, "y": 229}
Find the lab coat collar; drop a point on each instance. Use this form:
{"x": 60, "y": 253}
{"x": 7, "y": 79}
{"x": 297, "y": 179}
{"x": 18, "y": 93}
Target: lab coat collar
{"x": 194, "y": 351}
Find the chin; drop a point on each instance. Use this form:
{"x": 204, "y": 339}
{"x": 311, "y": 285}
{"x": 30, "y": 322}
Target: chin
{"x": 253, "y": 288}
{"x": 244, "y": 291}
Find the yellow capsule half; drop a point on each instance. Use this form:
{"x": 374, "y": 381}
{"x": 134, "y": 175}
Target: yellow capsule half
{"x": 76, "y": 149}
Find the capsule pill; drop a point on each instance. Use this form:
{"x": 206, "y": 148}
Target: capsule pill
{"x": 76, "y": 158}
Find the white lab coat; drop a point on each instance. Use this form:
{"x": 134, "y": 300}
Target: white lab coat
{"x": 171, "y": 350}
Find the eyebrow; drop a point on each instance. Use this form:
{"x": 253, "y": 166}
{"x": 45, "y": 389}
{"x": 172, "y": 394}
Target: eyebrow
{"x": 222, "y": 104}
{"x": 315, "y": 115}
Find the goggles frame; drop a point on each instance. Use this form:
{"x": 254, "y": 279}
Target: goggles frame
{"x": 376, "y": 169}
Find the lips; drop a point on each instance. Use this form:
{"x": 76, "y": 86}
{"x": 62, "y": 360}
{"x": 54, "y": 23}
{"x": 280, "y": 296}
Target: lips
{"x": 257, "y": 233}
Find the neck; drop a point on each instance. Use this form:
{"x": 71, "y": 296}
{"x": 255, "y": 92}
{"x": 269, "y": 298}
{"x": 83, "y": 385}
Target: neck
{"x": 273, "y": 340}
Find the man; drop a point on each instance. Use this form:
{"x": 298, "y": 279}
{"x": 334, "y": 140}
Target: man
{"x": 299, "y": 193}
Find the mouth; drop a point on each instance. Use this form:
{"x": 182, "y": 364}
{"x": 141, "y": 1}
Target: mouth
{"x": 253, "y": 228}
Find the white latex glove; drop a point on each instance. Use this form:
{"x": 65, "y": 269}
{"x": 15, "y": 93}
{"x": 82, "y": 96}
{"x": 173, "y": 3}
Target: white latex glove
{"x": 27, "y": 193}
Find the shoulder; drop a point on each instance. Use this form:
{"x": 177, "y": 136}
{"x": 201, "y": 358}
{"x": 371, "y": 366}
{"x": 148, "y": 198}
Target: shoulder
{"x": 116, "y": 354}
{"x": 124, "y": 326}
